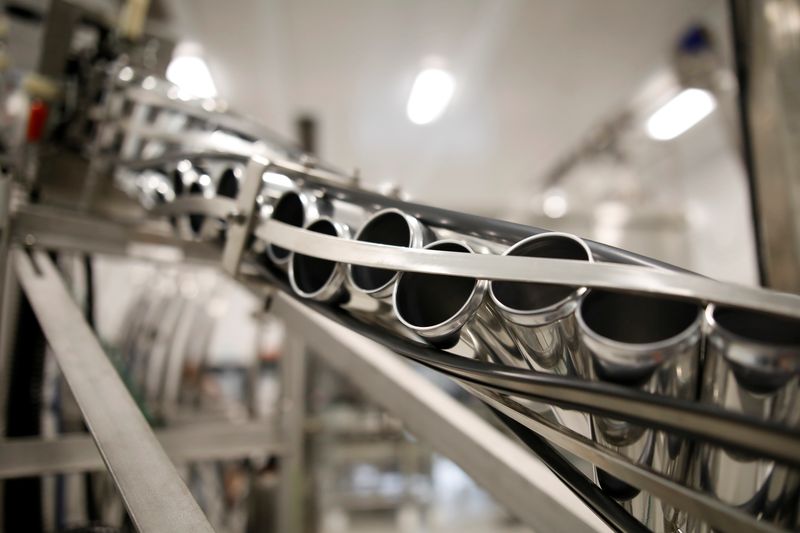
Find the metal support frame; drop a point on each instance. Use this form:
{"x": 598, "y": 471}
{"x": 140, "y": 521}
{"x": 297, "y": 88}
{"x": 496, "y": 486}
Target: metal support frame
{"x": 153, "y": 492}
{"x": 508, "y": 472}
{"x": 9, "y": 306}
{"x": 767, "y": 53}
{"x": 61, "y": 22}
{"x": 60, "y": 229}
{"x": 22, "y": 457}
{"x": 292, "y": 489}
{"x": 242, "y": 220}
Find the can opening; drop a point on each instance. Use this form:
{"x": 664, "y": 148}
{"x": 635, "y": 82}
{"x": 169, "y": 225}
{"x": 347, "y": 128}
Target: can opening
{"x": 228, "y": 184}
{"x": 425, "y": 300}
{"x": 196, "y": 221}
{"x": 177, "y": 182}
{"x": 311, "y": 273}
{"x": 289, "y": 210}
{"x": 534, "y": 296}
{"x": 636, "y": 319}
{"x": 759, "y": 327}
{"x": 389, "y": 228}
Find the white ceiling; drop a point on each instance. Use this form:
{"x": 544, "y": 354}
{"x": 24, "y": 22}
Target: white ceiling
{"x": 532, "y": 77}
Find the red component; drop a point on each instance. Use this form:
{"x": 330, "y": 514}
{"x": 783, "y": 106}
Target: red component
{"x": 36, "y": 121}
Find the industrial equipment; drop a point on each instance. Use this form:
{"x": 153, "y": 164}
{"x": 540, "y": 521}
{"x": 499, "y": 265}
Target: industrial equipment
{"x": 680, "y": 392}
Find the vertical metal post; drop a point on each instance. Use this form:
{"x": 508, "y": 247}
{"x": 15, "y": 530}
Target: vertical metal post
{"x": 293, "y": 488}
{"x": 9, "y": 298}
{"x": 9, "y": 306}
{"x": 767, "y": 46}
{"x": 241, "y": 222}
{"x": 60, "y": 24}
{"x": 9, "y": 311}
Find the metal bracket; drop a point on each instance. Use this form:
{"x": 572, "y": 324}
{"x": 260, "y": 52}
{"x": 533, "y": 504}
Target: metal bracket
{"x": 242, "y": 220}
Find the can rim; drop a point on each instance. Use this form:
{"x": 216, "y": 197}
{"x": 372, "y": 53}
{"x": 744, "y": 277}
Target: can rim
{"x": 452, "y": 323}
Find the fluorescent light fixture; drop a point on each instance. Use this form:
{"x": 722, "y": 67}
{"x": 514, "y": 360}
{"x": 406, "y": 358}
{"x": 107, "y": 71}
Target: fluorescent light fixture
{"x": 190, "y": 73}
{"x": 555, "y": 204}
{"x": 430, "y": 94}
{"x": 675, "y": 117}
{"x": 126, "y": 74}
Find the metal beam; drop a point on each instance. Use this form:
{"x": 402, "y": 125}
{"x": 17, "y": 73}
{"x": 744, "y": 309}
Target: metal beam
{"x": 293, "y": 515}
{"x": 239, "y": 231}
{"x": 513, "y": 476}
{"x": 153, "y": 492}
{"x": 23, "y": 457}
{"x": 61, "y": 229}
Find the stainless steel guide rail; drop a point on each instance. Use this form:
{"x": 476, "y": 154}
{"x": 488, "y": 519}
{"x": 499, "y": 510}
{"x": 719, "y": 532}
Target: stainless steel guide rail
{"x": 631, "y": 278}
{"x": 715, "y": 513}
{"x": 636, "y": 276}
{"x": 628, "y": 277}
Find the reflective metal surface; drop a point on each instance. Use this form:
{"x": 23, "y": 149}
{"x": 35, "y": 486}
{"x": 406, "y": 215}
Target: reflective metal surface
{"x": 653, "y": 345}
{"x": 752, "y": 365}
{"x": 444, "y": 310}
{"x": 437, "y": 307}
{"x": 714, "y": 512}
{"x": 531, "y": 269}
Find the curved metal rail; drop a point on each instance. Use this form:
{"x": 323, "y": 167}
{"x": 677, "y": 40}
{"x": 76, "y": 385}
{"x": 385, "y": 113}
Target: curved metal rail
{"x": 631, "y": 278}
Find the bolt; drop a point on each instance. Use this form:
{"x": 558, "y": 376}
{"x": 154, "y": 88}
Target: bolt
{"x": 237, "y": 217}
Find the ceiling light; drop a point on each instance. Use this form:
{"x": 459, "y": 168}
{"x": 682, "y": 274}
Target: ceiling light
{"x": 430, "y": 94}
{"x": 190, "y": 73}
{"x": 555, "y": 204}
{"x": 675, "y": 117}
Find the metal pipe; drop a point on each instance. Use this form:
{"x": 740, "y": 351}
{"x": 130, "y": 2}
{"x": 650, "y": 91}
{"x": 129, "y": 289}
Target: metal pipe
{"x": 751, "y": 366}
{"x": 651, "y": 344}
{"x": 320, "y": 279}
